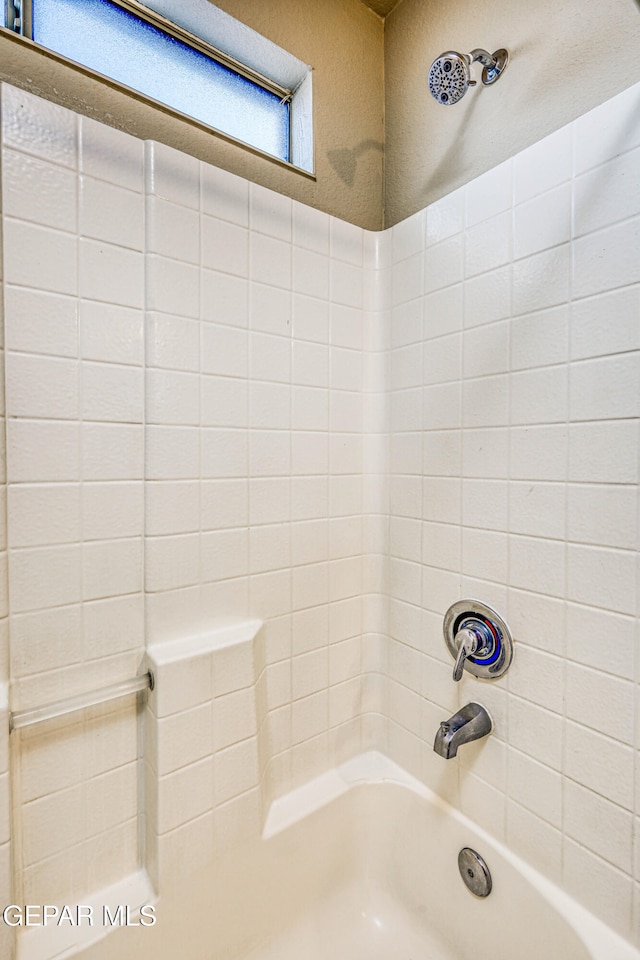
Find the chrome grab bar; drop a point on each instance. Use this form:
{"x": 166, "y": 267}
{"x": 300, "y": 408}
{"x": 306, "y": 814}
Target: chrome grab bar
{"x": 25, "y": 718}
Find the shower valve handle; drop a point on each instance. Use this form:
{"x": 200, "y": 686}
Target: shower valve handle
{"x": 467, "y": 646}
{"x": 478, "y": 639}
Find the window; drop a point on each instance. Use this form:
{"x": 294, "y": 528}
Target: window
{"x": 136, "y": 46}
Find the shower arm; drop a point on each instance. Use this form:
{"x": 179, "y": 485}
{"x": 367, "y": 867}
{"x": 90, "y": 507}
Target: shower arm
{"x": 493, "y": 64}
{"x": 483, "y": 57}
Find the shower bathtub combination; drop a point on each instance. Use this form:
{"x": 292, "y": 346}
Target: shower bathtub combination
{"x": 359, "y": 863}
{"x": 372, "y": 874}
{"x": 362, "y": 864}
{"x": 267, "y": 783}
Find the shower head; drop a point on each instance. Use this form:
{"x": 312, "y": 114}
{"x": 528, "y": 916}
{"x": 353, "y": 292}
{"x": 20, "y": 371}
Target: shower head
{"x": 450, "y": 73}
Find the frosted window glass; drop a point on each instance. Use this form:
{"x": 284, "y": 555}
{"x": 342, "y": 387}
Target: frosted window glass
{"x": 117, "y": 44}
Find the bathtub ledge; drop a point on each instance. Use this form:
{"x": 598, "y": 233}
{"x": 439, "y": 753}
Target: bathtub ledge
{"x": 49, "y": 942}
{"x": 370, "y": 767}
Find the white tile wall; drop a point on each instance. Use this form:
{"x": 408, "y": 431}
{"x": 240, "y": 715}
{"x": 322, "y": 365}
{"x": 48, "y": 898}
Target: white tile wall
{"x": 6, "y": 935}
{"x": 225, "y": 404}
{"x": 530, "y": 374}
{"x": 242, "y": 525}
{"x": 74, "y": 474}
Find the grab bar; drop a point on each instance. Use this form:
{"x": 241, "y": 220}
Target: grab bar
{"x": 25, "y": 718}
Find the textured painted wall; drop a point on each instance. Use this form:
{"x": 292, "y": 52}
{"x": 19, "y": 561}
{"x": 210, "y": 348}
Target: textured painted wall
{"x": 343, "y": 42}
{"x": 383, "y": 147}
{"x": 566, "y": 59}
{"x": 341, "y": 39}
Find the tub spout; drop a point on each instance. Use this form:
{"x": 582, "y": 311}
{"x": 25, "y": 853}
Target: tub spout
{"x": 471, "y": 722}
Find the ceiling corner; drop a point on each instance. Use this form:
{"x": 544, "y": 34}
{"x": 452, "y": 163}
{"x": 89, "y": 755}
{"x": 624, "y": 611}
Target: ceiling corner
{"x": 381, "y": 7}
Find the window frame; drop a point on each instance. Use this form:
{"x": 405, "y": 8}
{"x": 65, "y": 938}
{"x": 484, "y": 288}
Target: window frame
{"x": 19, "y": 20}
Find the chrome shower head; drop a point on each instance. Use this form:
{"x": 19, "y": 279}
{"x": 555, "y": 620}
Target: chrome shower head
{"x": 450, "y": 73}
{"x": 449, "y": 77}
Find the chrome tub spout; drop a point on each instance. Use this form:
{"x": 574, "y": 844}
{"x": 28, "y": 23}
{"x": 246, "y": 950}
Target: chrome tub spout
{"x": 471, "y": 722}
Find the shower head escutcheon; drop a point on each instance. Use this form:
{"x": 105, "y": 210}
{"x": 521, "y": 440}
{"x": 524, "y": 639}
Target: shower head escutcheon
{"x": 450, "y": 73}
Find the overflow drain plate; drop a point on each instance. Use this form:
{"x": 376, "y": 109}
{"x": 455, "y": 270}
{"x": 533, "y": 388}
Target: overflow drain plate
{"x": 474, "y": 872}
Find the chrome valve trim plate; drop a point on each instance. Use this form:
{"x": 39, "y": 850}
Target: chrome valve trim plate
{"x": 478, "y": 639}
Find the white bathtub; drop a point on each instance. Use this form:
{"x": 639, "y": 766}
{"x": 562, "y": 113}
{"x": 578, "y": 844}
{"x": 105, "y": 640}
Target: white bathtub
{"x": 361, "y": 864}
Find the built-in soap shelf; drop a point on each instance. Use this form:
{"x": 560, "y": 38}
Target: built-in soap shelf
{"x": 227, "y": 634}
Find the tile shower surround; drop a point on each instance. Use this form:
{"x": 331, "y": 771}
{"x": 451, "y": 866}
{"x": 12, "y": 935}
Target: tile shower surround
{"x": 224, "y": 404}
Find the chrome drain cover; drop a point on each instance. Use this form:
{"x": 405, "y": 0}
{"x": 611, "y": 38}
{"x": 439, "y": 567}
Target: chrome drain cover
{"x": 474, "y": 872}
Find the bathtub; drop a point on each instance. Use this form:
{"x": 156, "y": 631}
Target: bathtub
{"x": 361, "y": 864}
